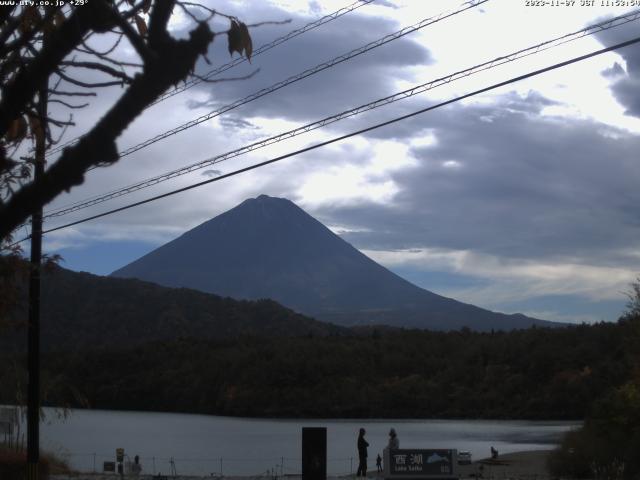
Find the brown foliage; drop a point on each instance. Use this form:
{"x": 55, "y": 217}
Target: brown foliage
{"x": 38, "y": 50}
{"x": 13, "y": 465}
{"x": 239, "y": 39}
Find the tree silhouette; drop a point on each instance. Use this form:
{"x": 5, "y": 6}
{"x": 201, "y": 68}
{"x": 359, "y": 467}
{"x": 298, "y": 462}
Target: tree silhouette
{"x": 51, "y": 46}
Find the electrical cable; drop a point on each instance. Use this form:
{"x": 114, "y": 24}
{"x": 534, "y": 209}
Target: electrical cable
{"x": 302, "y": 75}
{"x": 294, "y": 33}
{"x": 614, "y": 22}
{"x": 349, "y": 135}
{"x": 238, "y": 60}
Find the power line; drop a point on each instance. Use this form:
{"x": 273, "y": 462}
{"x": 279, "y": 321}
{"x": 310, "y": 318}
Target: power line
{"x": 307, "y": 73}
{"x": 295, "y": 78}
{"x": 238, "y": 60}
{"x": 294, "y": 33}
{"x": 599, "y": 27}
{"x": 349, "y": 135}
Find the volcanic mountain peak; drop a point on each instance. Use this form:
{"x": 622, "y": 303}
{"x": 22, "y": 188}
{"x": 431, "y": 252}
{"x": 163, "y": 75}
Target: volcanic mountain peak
{"x": 268, "y": 247}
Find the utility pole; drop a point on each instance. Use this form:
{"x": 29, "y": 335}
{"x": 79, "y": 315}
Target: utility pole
{"x": 33, "y": 328}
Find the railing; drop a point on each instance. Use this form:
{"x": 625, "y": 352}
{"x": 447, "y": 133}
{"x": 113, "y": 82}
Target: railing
{"x": 211, "y": 466}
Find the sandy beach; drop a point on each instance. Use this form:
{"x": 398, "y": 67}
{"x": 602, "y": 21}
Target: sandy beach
{"x": 529, "y": 465}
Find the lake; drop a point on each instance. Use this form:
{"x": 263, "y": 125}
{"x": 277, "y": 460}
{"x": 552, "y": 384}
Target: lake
{"x": 205, "y": 444}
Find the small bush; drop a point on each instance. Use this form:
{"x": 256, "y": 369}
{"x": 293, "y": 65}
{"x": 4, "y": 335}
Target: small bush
{"x": 573, "y": 457}
{"x": 13, "y": 465}
{"x": 607, "y": 446}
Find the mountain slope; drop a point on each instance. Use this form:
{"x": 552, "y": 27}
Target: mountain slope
{"x": 270, "y": 248}
{"x": 80, "y": 310}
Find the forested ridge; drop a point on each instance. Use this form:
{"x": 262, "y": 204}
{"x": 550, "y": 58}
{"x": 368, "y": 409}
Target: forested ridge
{"x": 81, "y": 310}
{"x": 537, "y": 373}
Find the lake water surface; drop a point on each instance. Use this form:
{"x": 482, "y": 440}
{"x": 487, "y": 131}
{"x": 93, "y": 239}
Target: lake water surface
{"x": 204, "y": 444}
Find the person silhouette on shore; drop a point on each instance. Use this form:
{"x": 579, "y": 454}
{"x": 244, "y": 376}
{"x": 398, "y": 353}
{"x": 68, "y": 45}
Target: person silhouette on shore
{"x": 136, "y": 468}
{"x": 379, "y": 463}
{"x": 362, "y": 454}
{"x": 394, "y": 442}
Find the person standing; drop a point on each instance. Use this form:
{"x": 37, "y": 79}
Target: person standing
{"x": 379, "y": 463}
{"x": 362, "y": 454}
{"x": 394, "y": 442}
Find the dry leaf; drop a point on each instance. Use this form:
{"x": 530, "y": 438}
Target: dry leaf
{"x": 247, "y": 44}
{"x": 48, "y": 27}
{"x": 141, "y": 24}
{"x": 36, "y": 128}
{"x": 235, "y": 38}
{"x": 58, "y": 18}
{"x": 29, "y": 20}
{"x": 239, "y": 39}
{"x": 17, "y": 130}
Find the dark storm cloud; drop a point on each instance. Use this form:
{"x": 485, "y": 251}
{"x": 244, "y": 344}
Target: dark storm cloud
{"x": 626, "y": 89}
{"x": 506, "y": 181}
{"x": 361, "y": 79}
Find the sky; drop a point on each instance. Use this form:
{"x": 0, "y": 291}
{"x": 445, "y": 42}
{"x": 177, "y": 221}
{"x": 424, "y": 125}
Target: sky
{"x": 522, "y": 199}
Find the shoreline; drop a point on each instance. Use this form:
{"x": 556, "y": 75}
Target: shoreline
{"x": 525, "y": 465}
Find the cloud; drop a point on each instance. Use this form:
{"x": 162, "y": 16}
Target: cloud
{"x": 75, "y": 237}
{"x": 616, "y": 71}
{"x": 520, "y": 193}
{"x": 513, "y": 280}
{"x": 360, "y": 79}
{"x": 524, "y": 185}
{"x": 234, "y": 122}
{"x": 626, "y": 84}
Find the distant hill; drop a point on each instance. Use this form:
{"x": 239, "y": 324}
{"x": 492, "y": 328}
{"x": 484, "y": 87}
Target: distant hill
{"x": 270, "y": 248}
{"x": 81, "y": 311}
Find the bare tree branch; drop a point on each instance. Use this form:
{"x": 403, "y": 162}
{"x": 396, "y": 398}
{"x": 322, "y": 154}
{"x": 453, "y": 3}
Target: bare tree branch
{"x": 136, "y": 40}
{"x": 96, "y": 15}
{"x": 11, "y": 26}
{"x": 270, "y": 22}
{"x": 105, "y": 55}
{"x": 98, "y": 146}
{"x": 110, "y": 50}
{"x": 99, "y": 66}
{"x": 164, "y": 61}
{"x": 183, "y": 6}
{"x": 72, "y": 94}
{"x": 227, "y": 79}
{"x": 79, "y": 83}
{"x": 60, "y": 123}
{"x": 68, "y": 105}
{"x": 28, "y": 36}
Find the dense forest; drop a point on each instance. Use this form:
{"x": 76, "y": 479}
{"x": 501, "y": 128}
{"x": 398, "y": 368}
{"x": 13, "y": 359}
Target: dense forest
{"x": 536, "y": 373}
{"x": 84, "y": 310}
{"x": 607, "y": 444}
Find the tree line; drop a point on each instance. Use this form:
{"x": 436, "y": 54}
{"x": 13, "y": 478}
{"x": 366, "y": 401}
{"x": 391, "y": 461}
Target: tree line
{"x": 537, "y": 373}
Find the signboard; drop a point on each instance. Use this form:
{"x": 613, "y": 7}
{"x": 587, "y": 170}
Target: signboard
{"x": 119, "y": 454}
{"x": 421, "y": 463}
{"x": 109, "y": 467}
